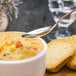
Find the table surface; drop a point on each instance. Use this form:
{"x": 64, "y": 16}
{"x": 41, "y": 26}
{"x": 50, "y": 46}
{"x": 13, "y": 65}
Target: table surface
{"x": 63, "y": 72}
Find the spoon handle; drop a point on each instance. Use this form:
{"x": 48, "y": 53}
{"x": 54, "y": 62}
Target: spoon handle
{"x": 61, "y": 20}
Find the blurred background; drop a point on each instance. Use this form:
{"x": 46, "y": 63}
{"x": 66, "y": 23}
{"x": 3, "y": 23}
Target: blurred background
{"x": 34, "y": 14}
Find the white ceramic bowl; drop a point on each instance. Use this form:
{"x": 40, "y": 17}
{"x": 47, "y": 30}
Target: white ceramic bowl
{"x": 34, "y": 66}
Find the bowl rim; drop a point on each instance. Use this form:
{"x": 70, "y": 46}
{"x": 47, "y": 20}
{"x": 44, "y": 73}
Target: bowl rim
{"x": 42, "y": 53}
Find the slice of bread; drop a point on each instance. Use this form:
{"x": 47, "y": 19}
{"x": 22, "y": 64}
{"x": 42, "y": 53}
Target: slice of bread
{"x": 72, "y": 63}
{"x": 58, "y": 54}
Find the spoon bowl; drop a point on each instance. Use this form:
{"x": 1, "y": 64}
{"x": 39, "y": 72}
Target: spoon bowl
{"x": 45, "y": 30}
{"x": 38, "y": 32}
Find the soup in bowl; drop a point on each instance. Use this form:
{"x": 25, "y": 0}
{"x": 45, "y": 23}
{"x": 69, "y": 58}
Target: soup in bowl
{"x": 15, "y": 47}
{"x": 21, "y": 55}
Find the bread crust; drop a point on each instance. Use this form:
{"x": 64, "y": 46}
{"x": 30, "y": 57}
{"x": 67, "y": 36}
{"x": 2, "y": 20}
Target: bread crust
{"x": 58, "y": 67}
{"x": 58, "y": 47}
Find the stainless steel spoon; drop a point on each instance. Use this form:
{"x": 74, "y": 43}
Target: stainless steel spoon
{"x": 45, "y": 30}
